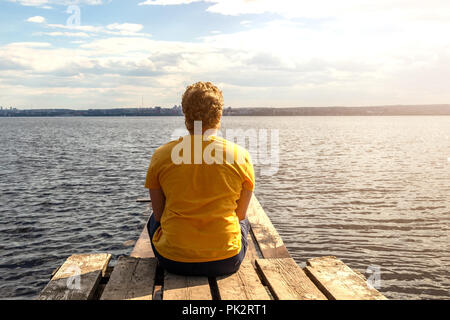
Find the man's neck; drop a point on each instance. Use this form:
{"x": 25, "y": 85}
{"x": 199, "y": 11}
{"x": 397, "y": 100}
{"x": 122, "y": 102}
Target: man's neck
{"x": 207, "y": 132}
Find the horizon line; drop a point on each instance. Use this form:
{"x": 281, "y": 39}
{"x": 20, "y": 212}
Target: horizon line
{"x": 228, "y": 107}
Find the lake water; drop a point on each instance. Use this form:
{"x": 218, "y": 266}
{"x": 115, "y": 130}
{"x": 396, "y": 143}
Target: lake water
{"x": 373, "y": 191}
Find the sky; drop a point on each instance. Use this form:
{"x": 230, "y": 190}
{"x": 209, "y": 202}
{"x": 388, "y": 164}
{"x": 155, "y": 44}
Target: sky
{"x": 260, "y": 53}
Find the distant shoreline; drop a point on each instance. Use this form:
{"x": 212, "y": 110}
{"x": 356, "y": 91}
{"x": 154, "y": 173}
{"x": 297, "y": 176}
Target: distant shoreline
{"x": 403, "y": 110}
{"x": 230, "y": 116}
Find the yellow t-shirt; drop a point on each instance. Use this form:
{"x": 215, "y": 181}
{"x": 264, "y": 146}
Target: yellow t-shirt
{"x": 201, "y": 178}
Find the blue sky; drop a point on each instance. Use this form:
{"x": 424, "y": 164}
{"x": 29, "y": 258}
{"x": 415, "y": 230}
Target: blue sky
{"x": 259, "y": 52}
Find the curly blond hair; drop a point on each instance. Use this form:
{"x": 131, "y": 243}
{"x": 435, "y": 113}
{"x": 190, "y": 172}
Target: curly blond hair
{"x": 203, "y": 102}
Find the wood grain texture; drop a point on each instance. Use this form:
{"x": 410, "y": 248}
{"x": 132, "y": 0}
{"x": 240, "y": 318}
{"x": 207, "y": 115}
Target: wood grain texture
{"x": 177, "y": 287}
{"x": 287, "y": 281}
{"x": 338, "y": 281}
{"x": 131, "y": 279}
{"x": 143, "y": 200}
{"x": 242, "y": 285}
{"x": 143, "y": 247}
{"x": 252, "y": 252}
{"x": 268, "y": 240}
{"x": 77, "y": 278}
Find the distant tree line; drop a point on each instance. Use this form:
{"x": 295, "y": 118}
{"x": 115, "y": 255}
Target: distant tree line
{"x": 177, "y": 111}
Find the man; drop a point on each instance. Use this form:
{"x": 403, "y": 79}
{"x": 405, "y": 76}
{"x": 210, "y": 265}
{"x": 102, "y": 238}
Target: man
{"x": 200, "y": 187}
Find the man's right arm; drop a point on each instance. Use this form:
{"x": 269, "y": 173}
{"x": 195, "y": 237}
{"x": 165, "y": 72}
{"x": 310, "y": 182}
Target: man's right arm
{"x": 158, "y": 203}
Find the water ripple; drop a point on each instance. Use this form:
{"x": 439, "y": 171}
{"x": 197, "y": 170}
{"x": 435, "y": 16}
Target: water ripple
{"x": 372, "y": 191}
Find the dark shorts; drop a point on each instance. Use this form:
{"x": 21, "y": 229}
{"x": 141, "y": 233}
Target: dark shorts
{"x": 209, "y": 269}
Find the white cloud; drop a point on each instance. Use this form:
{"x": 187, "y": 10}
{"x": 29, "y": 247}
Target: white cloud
{"x": 63, "y": 34}
{"x": 167, "y": 2}
{"x": 28, "y": 45}
{"x": 36, "y": 19}
{"x": 32, "y": 3}
{"x": 250, "y": 73}
{"x": 125, "y": 27}
{"x": 47, "y": 4}
{"x": 411, "y": 9}
{"x": 345, "y": 53}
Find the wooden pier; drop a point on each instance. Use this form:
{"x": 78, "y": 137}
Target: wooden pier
{"x": 268, "y": 272}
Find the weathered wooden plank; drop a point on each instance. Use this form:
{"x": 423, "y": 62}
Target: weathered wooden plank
{"x": 338, "y": 281}
{"x": 131, "y": 279}
{"x": 287, "y": 281}
{"x": 143, "y": 247}
{"x": 242, "y": 285}
{"x": 268, "y": 240}
{"x": 77, "y": 278}
{"x": 252, "y": 252}
{"x": 177, "y": 287}
{"x": 159, "y": 282}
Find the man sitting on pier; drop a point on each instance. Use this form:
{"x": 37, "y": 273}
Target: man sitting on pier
{"x": 200, "y": 187}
